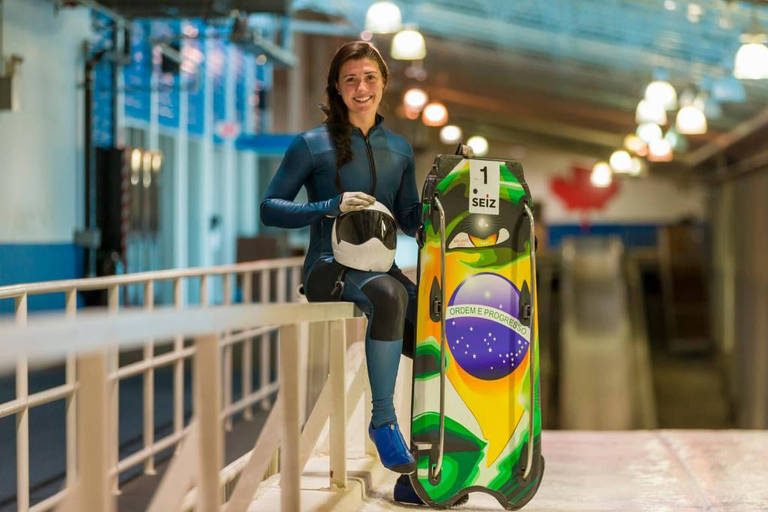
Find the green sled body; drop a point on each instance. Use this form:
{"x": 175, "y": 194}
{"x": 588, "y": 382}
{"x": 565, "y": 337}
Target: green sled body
{"x": 491, "y": 356}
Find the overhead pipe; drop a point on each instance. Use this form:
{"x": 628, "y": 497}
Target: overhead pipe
{"x": 106, "y": 11}
{"x": 748, "y": 165}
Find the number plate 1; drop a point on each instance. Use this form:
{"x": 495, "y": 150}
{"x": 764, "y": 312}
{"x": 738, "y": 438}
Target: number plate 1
{"x": 484, "y": 186}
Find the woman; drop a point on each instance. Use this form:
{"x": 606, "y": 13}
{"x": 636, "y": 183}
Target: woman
{"x": 345, "y": 164}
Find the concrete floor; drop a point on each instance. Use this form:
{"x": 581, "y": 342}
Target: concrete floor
{"x": 136, "y": 494}
{"x": 690, "y": 392}
{"x": 654, "y": 471}
{"x": 660, "y": 470}
{"x": 633, "y": 471}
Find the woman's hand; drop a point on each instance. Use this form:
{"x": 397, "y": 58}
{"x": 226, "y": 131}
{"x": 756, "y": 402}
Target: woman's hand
{"x": 352, "y": 201}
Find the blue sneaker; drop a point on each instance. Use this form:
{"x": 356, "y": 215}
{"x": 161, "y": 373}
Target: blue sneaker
{"x": 393, "y": 451}
{"x": 404, "y": 493}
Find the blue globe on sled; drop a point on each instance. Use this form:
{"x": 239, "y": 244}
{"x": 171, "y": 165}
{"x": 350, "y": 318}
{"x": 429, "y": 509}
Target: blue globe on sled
{"x": 480, "y": 329}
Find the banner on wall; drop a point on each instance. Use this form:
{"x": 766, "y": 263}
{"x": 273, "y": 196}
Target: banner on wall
{"x": 169, "y": 77}
{"x": 101, "y": 112}
{"x": 137, "y": 76}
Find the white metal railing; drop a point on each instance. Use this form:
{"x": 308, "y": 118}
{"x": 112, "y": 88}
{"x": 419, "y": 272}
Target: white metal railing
{"x": 287, "y": 276}
{"x": 92, "y": 336}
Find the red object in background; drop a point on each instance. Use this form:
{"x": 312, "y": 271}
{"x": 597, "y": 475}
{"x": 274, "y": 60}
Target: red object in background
{"x": 227, "y": 129}
{"x": 578, "y": 193}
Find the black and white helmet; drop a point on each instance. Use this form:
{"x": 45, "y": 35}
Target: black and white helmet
{"x": 365, "y": 239}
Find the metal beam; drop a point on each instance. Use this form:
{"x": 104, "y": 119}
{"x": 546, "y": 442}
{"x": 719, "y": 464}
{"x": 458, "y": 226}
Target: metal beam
{"x": 530, "y": 74}
{"x": 521, "y": 116}
{"x": 96, "y": 6}
{"x": 723, "y": 142}
{"x": 752, "y": 163}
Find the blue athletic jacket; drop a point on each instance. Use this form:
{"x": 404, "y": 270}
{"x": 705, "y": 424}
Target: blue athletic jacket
{"x": 311, "y": 162}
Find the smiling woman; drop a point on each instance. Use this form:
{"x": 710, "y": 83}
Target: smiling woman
{"x": 353, "y": 169}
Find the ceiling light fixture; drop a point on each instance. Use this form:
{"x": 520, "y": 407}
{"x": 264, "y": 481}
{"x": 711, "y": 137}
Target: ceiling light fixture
{"x": 136, "y": 160}
{"x": 434, "y": 114}
{"x": 415, "y": 98}
{"x": 678, "y": 142}
{"x": 479, "y": 145}
{"x": 157, "y": 161}
{"x": 691, "y": 121}
{"x": 635, "y": 144}
{"x": 638, "y": 167}
{"x": 662, "y": 93}
{"x": 659, "y": 150}
{"x": 601, "y": 175}
{"x": 408, "y": 44}
{"x": 146, "y": 161}
{"x": 648, "y": 132}
{"x": 383, "y": 18}
{"x": 650, "y": 112}
{"x": 620, "y": 161}
{"x": 695, "y": 12}
{"x": 450, "y": 134}
{"x": 751, "y": 62}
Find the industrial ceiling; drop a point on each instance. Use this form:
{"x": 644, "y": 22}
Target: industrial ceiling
{"x": 566, "y": 72}
{"x": 572, "y": 71}
{"x": 191, "y": 8}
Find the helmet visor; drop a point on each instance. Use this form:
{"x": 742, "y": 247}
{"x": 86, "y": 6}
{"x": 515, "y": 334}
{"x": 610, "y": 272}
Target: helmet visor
{"x": 360, "y": 226}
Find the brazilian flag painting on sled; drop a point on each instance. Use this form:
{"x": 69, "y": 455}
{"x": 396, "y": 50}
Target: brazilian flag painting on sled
{"x": 476, "y": 413}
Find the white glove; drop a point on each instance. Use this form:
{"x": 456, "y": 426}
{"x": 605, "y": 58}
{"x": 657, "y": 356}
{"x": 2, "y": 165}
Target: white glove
{"x": 351, "y": 201}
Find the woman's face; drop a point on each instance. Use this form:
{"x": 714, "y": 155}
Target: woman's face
{"x": 361, "y": 85}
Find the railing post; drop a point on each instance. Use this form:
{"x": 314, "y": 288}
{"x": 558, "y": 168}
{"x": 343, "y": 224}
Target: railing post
{"x": 71, "y": 401}
{"x": 264, "y": 366}
{"x": 178, "y": 366}
{"x": 149, "y": 384}
{"x": 207, "y": 413}
{"x": 295, "y": 282}
{"x": 290, "y": 472}
{"x": 203, "y": 303}
{"x": 282, "y": 284}
{"x": 227, "y": 395}
{"x": 113, "y": 384}
{"x": 338, "y": 421}
{"x": 22, "y": 417}
{"x": 203, "y": 290}
{"x": 247, "y": 368}
{"x": 94, "y": 462}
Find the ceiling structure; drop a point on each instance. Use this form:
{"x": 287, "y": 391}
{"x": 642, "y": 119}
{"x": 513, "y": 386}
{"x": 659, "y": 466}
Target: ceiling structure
{"x": 192, "y": 8}
{"x": 567, "y": 73}
{"x": 570, "y": 72}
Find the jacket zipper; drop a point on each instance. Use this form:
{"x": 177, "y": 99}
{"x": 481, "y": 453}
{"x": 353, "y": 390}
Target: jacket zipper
{"x": 372, "y": 164}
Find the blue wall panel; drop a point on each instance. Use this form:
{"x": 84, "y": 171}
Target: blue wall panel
{"x": 138, "y": 74}
{"x": 632, "y": 235}
{"x": 102, "y": 83}
{"x": 168, "y": 87}
{"x": 28, "y": 263}
{"x": 265, "y": 143}
{"x": 240, "y": 100}
{"x": 217, "y": 59}
{"x": 194, "y": 80}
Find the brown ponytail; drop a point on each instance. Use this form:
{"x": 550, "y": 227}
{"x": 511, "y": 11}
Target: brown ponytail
{"x": 336, "y": 111}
